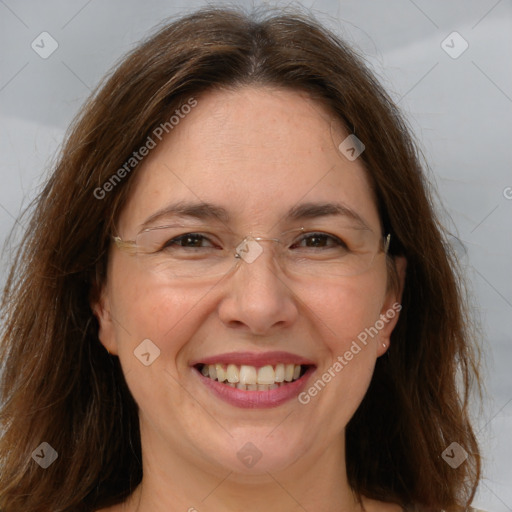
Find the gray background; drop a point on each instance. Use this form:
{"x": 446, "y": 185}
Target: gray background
{"x": 459, "y": 108}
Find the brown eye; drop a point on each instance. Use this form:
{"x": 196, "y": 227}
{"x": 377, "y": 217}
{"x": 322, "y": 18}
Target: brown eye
{"x": 320, "y": 240}
{"x": 316, "y": 241}
{"x": 192, "y": 240}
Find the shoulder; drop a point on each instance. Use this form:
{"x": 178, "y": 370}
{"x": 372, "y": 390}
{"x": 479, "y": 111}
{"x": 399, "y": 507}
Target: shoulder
{"x": 371, "y": 505}
{"x": 472, "y": 509}
{"x": 381, "y": 506}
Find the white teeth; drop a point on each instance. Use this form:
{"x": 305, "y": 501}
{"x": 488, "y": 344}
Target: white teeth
{"x": 221, "y": 373}
{"x": 248, "y": 374}
{"x": 267, "y": 375}
{"x": 232, "y": 373}
{"x": 279, "y": 372}
{"x": 288, "y": 372}
{"x": 250, "y": 378}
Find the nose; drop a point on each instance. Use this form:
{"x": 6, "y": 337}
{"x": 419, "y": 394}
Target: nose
{"x": 258, "y": 298}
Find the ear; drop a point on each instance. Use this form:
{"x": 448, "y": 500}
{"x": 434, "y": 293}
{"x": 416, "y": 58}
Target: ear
{"x": 392, "y": 304}
{"x": 106, "y": 331}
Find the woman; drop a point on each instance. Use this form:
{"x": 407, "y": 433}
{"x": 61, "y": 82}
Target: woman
{"x": 234, "y": 293}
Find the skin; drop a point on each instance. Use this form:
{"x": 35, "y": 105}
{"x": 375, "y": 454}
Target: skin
{"x": 257, "y": 152}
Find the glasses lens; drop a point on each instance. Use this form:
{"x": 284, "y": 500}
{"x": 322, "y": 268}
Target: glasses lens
{"x": 200, "y": 252}
{"x": 338, "y": 251}
{"x": 184, "y": 251}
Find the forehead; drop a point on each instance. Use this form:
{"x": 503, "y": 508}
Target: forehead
{"x": 256, "y": 151}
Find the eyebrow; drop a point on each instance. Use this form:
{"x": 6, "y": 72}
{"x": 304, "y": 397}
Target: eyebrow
{"x": 197, "y": 210}
{"x": 209, "y": 211}
{"x": 315, "y": 210}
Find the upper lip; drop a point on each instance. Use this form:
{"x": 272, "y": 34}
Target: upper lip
{"x": 254, "y": 359}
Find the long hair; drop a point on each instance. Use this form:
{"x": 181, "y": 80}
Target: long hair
{"x": 60, "y": 386}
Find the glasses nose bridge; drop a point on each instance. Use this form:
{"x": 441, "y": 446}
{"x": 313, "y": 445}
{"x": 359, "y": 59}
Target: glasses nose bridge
{"x": 250, "y": 249}
{"x": 277, "y": 245}
{"x": 276, "y": 241}
{"x": 264, "y": 239}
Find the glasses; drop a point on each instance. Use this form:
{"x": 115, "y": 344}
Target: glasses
{"x": 199, "y": 252}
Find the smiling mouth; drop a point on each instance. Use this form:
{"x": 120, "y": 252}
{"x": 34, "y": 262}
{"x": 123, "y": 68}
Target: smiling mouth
{"x": 252, "y": 378}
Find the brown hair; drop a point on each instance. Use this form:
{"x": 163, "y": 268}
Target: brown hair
{"x": 60, "y": 385}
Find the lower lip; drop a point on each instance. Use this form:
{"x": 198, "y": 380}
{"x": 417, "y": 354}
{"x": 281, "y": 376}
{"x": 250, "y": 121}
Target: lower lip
{"x": 256, "y": 399}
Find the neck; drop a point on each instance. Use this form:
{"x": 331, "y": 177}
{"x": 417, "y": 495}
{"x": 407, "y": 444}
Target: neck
{"x": 316, "y": 481}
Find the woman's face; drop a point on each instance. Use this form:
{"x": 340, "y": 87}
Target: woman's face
{"x": 258, "y": 155}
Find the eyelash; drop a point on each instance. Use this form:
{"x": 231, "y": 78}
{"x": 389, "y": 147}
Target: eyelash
{"x": 304, "y": 237}
{"x": 335, "y": 239}
{"x": 173, "y": 241}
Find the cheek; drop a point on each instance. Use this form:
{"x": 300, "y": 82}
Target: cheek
{"x": 168, "y": 317}
{"x": 145, "y": 308}
{"x": 346, "y": 364}
{"x": 345, "y": 309}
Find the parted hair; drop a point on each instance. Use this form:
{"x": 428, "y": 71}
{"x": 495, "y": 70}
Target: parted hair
{"x": 58, "y": 383}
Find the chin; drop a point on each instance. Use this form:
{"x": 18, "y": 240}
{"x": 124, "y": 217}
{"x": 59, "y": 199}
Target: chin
{"x": 259, "y": 451}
